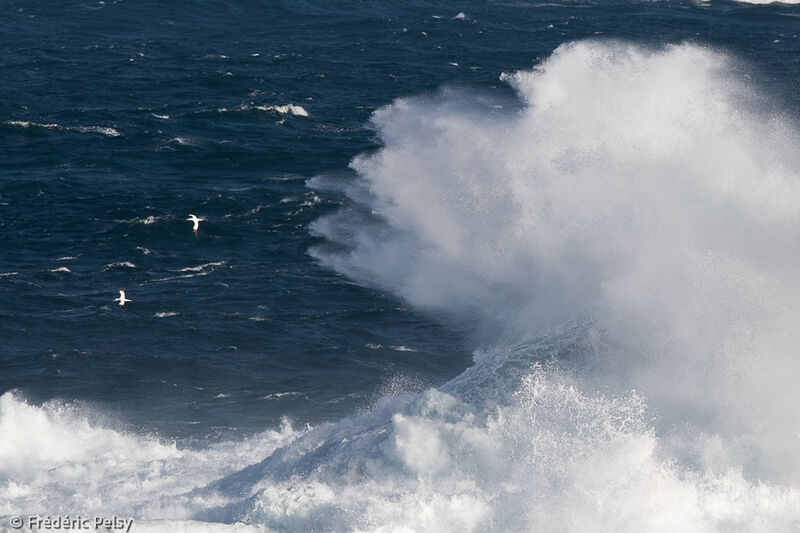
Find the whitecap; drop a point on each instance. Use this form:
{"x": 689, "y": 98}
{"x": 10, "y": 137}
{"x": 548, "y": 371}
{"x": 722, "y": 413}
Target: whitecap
{"x": 200, "y": 268}
{"x": 288, "y": 109}
{"x": 185, "y": 141}
{"x": 278, "y": 395}
{"x": 403, "y": 348}
{"x": 255, "y": 210}
{"x": 312, "y": 199}
{"x": 191, "y": 272}
{"x": 28, "y": 124}
{"x": 111, "y": 132}
{"x": 119, "y": 264}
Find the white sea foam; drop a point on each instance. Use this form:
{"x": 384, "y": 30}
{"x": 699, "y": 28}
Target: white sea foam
{"x": 111, "y": 132}
{"x": 108, "y": 131}
{"x": 255, "y": 210}
{"x": 150, "y": 219}
{"x": 402, "y": 348}
{"x": 60, "y": 269}
{"x": 278, "y": 395}
{"x": 27, "y": 124}
{"x": 190, "y": 272}
{"x": 647, "y": 191}
{"x": 119, "y": 264}
{"x": 200, "y": 268}
{"x": 311, "y": 200}
{"x": 186, "y": 141}
{"x": 56, "y": 459}
{"x": 165, "y": 314}
{"x": 552, "y": 457}
{"x": 288, "y": 109}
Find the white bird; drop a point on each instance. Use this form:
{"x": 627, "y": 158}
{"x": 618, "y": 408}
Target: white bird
{"x": 196, "y": 220}
{"x": 122, "y": 298}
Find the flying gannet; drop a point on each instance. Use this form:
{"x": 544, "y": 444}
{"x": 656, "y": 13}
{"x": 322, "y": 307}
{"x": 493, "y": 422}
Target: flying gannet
{"x": 122, "y": 298}
{"x": 196, "y": 220}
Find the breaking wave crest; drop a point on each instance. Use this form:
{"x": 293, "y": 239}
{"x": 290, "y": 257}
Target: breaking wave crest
{"x": 645, "y": 198}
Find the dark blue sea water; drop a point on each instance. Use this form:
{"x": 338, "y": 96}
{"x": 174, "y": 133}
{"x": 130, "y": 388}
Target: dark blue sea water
{"x": 444, "y": 243}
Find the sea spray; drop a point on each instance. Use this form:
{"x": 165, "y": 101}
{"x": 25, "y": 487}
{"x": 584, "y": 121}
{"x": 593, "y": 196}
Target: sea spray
{"x": 653, "y": 190}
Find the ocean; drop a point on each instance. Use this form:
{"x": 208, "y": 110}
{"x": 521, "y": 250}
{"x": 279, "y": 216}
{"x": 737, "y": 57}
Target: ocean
{"x": 462, "y": 266}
